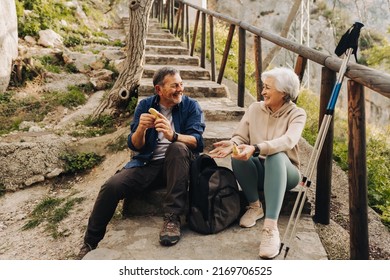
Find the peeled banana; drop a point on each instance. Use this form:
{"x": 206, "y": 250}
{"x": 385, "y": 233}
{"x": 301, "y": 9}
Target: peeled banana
{"x": 154, "y": 112}
{"x": 235, "y": 149}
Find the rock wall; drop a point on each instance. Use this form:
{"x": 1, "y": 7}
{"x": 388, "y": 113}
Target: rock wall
{"x": 8, "y": 41}
{"x": 30, "y": 158}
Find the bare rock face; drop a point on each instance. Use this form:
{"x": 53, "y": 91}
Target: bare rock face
{"x": 8, "y": 41}
{"x": 30, "y": 159}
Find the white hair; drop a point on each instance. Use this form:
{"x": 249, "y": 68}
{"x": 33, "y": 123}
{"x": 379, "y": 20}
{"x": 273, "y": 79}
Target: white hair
{"x": 286, "y": 81}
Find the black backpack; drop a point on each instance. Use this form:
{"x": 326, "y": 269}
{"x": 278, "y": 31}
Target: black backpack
{"x": 214, "y": 199}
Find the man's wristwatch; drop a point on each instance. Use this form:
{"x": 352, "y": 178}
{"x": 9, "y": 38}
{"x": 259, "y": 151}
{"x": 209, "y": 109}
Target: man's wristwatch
{"x": 175, "y": 136}
{"x": 256, "y": 153}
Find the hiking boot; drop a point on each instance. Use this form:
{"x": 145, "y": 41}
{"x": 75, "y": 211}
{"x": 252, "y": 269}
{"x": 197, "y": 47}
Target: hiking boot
{"x": 85, "y": 249}
{"x": 252, "y": 214}
{"x": 170, "y": 232}
{"x": 270, "y": 243}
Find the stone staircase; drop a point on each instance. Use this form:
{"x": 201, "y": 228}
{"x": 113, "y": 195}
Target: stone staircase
{"x": 221, "y": 113}
{"x": 220, "y": 110}
{"x": 136, "y": 237}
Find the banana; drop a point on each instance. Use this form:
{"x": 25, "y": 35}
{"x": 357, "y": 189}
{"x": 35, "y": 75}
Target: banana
{"x": 154, "y": 112}
{"x": 235, "y": 149}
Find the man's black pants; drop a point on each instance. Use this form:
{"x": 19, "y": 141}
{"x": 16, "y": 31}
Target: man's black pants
{"x": 173, "y": 171}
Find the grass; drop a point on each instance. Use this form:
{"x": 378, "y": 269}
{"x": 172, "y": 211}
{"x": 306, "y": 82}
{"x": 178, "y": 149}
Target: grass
{"x": 51, "y": 211}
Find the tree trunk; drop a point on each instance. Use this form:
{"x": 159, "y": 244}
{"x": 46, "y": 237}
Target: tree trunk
{"x": 129, "y": 79}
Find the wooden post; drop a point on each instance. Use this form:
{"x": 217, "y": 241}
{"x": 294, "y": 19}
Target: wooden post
{"x": 226, "y": 53}
{"x": 195, "y": 33}
{"x": 187, "y": 28}
{"x": 300, "y": 66}
{"x": 203, "y": 42}
{"x": 182, "y": 22}
{"x": 172, "y": 15}
{"x": 259, "y": 67}
{"x": 324, "y": 165}
{"x": 241, "y": 66}
{"x": 212, "y": 48}
{"x": 357, "y": 173}
{"x": 178, "y": 16}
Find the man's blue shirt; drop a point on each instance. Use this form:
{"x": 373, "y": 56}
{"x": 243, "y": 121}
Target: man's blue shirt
{"x": 187, "y": 118}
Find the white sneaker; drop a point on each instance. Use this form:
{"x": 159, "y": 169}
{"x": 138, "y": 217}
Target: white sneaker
{"x": 252, "y": 214}
{"x": 270, "y": 243}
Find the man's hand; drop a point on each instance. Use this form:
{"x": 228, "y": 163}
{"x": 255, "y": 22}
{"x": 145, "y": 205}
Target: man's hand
{"x": 162, "y": 124}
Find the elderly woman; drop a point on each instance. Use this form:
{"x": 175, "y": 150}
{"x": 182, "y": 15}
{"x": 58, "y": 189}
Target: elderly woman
{"x": 266, "y": 157}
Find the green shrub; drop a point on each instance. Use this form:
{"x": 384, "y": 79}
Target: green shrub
{"x": 2, "y": 189}
{"x": 101, "y": 125}
{"x": 80, "y": 162}
{"x": 72, "y": 98}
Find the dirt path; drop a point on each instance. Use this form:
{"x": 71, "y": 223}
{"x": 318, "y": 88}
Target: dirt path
{"x": 37, "y": 243}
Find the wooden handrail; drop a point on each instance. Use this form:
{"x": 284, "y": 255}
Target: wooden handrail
{"x": 370, "y": 78}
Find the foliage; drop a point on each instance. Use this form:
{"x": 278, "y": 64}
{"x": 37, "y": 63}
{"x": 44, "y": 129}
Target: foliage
{"x": 132, "y": 104}
{"x": 378, "y": 170}
{"x": 119, "y": 144}
{"x": 36, "y": 15}
{"x": 2, "y": 189}
{"x": 69, "y": 99}
{"x": 101, "y": 125}
{"x": 51, "y": 211}
{"x": 13, "y": 111}
{"x": 80, "y": 162}
{"x": 44, "y": 14}
{"x": 379, "y": 55}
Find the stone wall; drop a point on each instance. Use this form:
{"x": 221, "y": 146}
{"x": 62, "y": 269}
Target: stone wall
{"x": 8, "y": 41}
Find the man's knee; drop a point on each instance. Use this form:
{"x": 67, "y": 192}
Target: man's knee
{"x": 177, "y": 149}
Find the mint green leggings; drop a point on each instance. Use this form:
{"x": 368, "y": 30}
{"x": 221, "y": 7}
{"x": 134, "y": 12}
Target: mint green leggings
{"x": 274, "y": 175}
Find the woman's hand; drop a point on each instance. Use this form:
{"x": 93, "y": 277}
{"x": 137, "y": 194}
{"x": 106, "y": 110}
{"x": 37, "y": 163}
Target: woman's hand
{"x": 222, "y": 149}
{"x": 244, "y": 152}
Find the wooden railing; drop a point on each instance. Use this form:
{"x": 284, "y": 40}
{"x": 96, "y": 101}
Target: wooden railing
{"x": 175, "y": 14}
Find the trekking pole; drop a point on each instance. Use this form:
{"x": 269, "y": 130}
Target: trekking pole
{"x": 348, "y": 45}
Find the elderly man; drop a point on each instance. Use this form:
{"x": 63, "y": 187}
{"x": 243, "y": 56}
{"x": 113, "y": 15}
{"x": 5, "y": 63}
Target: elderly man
{"x": 165, "y": 142}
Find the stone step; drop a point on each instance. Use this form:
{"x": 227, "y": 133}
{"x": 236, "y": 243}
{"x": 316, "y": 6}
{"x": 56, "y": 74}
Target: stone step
{"x": 152, "y": 29}
{"x": 160, "y": 35}
{"x": 186, "y": 72}
{"x": 171, "y": 59}
{"x": 163, "y": 42}
{"x": 192, "y": 88}
{"x": 218, "y": 116}
{"x": 217, "y": 131}
{"x": 221, "y": 109}
{"x": 151, "y": 203}
{"x": 166, "y": 50}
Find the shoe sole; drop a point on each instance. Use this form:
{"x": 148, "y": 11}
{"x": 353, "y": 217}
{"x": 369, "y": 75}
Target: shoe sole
{"x": 166, "y": 242}
{"x": 270, "y": 257}
{"x": 251, "y": 225}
